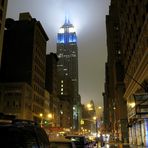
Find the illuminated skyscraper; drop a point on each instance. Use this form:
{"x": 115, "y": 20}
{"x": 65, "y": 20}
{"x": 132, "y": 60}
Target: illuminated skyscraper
{"x": 67, "y": 52}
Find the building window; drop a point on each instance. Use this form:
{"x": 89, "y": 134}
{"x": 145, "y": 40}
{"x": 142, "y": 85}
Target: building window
{"x": 1, "y": 14}
{"x": 13, "y": 103}
{"x": 8, "y": 103}
{"x": 2, "y": 3}
{"x": 146, "y": 7}
{"x": 143, "y": 17}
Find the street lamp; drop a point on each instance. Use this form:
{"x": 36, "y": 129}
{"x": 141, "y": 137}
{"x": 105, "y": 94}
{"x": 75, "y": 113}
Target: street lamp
{"x": 99, "y": 107}
{"x": 49, "y": 116}
{"x": 41, "y": 115}
{"x": 89, "y": 106}
{"x": 95, "y": 119}
{"x": 45, "y": 118}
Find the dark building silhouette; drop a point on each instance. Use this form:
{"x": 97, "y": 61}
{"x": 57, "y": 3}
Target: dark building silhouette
{"x": 127, "y": 75}
{"x": 67, "y": 52}
{"x": 116, "y": 111}
{"x": 51, "y": 73}
{"x": 24, "y": 57}
{"x": 134, "y": 47}
{"x": 60, "y": 105}
{"x": 51, "y": 84}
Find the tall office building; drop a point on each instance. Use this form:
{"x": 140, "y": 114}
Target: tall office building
{"x": 24, "y": 60}
{"x": 116, "y": 115}
{"x": 67, "y": 52}
{"x": 127, "y": 70}
{"x": 51, "y": 85}
{"x": 133, "y": 16}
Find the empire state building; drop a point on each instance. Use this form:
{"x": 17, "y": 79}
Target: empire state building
{"x": 67, "y": 52}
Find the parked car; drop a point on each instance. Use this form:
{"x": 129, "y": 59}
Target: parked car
{"x": 79, "y": 140}
{"x": 22, "y": 134}
{"x": 61, "y": 143}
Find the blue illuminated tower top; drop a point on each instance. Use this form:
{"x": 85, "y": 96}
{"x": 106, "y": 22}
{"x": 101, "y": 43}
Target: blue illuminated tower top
{"x": 67, "y": 33}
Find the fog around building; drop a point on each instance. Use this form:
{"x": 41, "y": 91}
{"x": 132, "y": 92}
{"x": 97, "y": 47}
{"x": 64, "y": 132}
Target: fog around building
{"x": 88, "y": 18}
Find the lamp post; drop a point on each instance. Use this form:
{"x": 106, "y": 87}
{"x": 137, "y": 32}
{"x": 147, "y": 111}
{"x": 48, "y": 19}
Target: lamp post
{"x": 41, "y": 115}
{"x": 49, "y": 116}
{"x": 46, "y": 117}
{"x": 95, "y": 119}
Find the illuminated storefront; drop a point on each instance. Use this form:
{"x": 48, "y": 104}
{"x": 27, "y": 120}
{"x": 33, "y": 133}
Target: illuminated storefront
{"x": 138, "y": 119}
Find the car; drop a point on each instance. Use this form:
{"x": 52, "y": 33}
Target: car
{"x": 79, "y": 140}
{"x": 18, "y": 133}
{"x": 61, "y": 143}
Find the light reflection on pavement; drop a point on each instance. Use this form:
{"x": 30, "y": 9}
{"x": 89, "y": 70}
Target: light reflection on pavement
{"x": 115, "y": 146}
{"x": 118, "y": 145}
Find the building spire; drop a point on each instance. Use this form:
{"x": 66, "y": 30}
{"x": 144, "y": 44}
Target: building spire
{"x": 67, "y": 22}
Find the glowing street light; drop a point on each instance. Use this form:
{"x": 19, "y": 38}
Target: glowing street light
{"x": 89, "y": 106}
{"x": 46, "y": 117}
{"x": 41, "y": 115}
{"x": 94, "y": 118}
{"x": 99, "y": 107}
{"x": 49, "y": 116}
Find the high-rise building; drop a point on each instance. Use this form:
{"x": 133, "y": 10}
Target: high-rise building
{"x": 24, "y": 59}
{"x": 133, "y": 16}
{"x": 3, "y": 9}
{"x": 67, "y": 52}
{"x": 127, "y": 70}
{"x": 51, "y": 85}
{"x": 115, "y": 104}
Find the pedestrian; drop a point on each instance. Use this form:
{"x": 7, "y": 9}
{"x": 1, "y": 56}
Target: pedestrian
{"x": 102, "y": 141}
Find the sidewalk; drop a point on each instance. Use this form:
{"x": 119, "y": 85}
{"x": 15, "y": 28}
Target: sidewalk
{"x": 125, "y": 145}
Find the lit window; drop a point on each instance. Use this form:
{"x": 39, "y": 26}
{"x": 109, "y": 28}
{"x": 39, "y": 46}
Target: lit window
{"x": 119, "y": 52}
{"x": 71, "y": 29}
{"x": 61, "y": 93}
{"x": 61, "y": 112}
{"x": 62, "y": 85}
{"x": 73, "y": 55}
{"x": 61, "y": 89}
{"x": 61, "y": 30}
{"x": 61, "y": 81}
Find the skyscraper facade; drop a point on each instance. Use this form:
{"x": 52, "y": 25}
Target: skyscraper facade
{"x": 115, "y": 105}
{"x": 127, "y": 70}
{"x": 67, "y": 52}
{"x": 24, "y": 60}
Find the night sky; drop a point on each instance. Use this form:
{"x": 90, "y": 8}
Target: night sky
{"x": 88, "y": 18}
